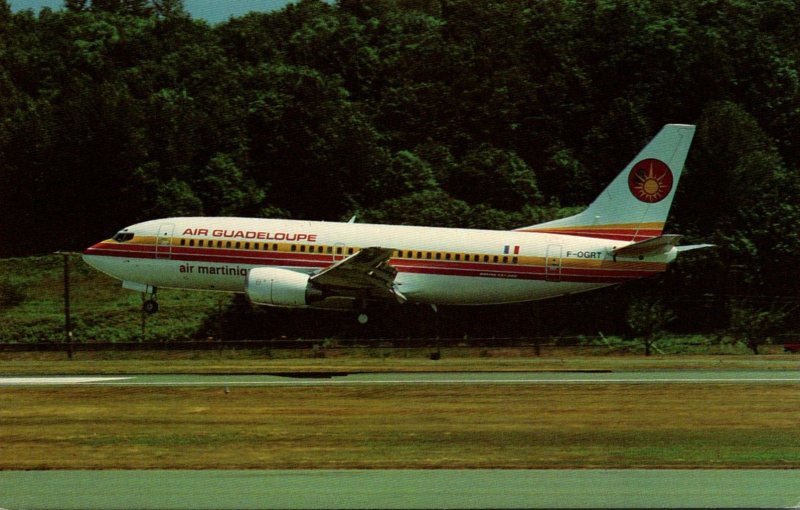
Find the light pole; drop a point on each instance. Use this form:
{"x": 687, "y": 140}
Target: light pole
{"x": 67, "y": 319}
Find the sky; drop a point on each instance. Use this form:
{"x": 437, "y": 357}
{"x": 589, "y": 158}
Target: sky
{"x": 213, "y": 11}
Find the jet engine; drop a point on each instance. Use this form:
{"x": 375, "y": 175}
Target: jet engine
{"x": 280, "y": 287}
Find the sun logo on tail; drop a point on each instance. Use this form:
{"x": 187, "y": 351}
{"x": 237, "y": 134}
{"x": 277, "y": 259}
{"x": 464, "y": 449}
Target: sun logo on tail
{"x": 650, "y": 180}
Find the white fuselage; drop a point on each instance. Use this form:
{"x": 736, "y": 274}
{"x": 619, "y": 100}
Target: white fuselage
{"x": 434, "y": 265}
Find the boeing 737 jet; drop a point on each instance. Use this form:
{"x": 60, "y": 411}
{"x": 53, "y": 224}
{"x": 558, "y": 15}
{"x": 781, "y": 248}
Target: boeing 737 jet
{"x": 291, "y": 263}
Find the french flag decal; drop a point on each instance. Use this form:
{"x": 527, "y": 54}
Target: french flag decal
{"x": 507, "y": 249}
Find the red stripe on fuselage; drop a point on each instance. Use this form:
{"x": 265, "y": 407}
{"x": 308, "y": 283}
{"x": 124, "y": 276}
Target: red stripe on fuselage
{"x": 516, "y": 272}
{"x": 420, "y": 266}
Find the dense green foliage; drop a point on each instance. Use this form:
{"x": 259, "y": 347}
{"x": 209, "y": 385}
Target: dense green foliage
{"x": 436, "y": 112}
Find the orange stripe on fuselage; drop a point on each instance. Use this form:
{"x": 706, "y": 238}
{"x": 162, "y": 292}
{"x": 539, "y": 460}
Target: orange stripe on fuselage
{"x": 617, "y": 232}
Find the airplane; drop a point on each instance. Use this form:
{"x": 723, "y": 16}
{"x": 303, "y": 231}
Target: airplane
{"x": 345, "y": 266}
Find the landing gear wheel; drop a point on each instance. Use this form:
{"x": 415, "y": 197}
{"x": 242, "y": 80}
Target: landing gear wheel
{"x": 150, "y": 306}
{"x": 362, "y": 318}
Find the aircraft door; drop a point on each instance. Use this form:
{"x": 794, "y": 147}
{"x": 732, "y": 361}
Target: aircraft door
{"x": 338, "y": 252}
{"x": 164, "y": 241}
{"x": 552, "y": 264}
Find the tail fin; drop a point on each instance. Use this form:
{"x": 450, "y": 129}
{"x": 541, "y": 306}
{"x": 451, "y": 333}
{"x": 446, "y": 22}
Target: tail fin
{"x": 635, "y": 205}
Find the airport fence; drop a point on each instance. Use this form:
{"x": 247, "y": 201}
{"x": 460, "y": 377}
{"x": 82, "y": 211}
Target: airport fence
{"x": 318, "y": 347}
{"x": 301, "y": 343}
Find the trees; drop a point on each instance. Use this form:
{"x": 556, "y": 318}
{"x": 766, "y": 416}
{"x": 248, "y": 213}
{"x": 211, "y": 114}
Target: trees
{"x": 739, "y": 189}
{"x": 756, "y": 326}
{"x": 648, "y": 318}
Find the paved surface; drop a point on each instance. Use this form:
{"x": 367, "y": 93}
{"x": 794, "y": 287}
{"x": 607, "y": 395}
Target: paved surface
{"x": 399, "y": 489}
{"x": 649, "y": 377}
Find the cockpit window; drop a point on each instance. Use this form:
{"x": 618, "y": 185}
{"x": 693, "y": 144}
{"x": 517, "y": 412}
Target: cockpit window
{"x": 121, "y": 237}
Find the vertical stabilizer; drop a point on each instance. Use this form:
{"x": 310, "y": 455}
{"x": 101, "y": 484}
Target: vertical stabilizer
{"x": 634, "y": 207}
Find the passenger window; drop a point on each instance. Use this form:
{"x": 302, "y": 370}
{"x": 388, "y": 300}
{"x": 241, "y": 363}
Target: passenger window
{"x": 238, "y": 245}
{"x": 191, "y": 242}
{"x": 183, "y": 242}
{"x": 458, "y": 257}
{"x": 515, "y": 260}
{"x": 505, "y": 259}
{"x": 303, "y": 248}
{"x": 246, "y": 246}
{"x": 486, "y": 258}
{"x": 227, "y": 244}
{"x": 200, "y": 242}
{"x": 294, "y": 247}
{"x": 274, "y": 247}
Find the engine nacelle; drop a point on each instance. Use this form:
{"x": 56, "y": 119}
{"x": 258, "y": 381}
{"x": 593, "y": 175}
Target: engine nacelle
{"x": 280, "y": 287}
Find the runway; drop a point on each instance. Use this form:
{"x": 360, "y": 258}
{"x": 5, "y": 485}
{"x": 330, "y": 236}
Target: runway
{"x": 411, "y": 378}
{"x": 399, "y": 489}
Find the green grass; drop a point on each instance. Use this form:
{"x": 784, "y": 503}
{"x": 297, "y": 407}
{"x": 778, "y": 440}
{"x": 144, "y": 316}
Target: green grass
{"x": 349, "y": 361}
{"x": 410, "y": 427}
{"x": 32, "y": 305}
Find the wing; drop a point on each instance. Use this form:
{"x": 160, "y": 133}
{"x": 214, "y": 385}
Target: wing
{"x": 365, "y": 274}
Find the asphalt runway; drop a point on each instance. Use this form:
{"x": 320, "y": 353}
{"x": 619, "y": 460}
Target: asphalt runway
{"x": 400, "y": 489}
{"x": 410, "y": 378}
{"x": 404, "y": 488}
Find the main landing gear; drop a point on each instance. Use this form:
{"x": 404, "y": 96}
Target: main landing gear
{"x": 149, "y": 303}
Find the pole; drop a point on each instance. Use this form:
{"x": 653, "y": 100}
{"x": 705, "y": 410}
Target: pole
{"x": 67, "y": 321}
{"x": 537, "y": 320}
{"x": 144, "y": 319}
{"x": 219, "y": 326}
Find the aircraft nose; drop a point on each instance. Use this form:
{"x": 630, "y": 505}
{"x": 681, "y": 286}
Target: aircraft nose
{"x": 90, "y": 254}
{"x": 91, "y": 250}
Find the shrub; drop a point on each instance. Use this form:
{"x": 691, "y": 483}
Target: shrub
{"x": 12, "y": 293}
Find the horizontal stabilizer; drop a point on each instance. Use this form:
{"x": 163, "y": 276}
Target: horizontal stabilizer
{"x": 689, "y": 247}
{"x": 655, "y": 246}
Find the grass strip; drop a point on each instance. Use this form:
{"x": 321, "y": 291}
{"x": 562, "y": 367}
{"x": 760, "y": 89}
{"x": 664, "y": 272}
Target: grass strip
{"x": 419, "y": 427}
{"x": 389, "y": 360}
